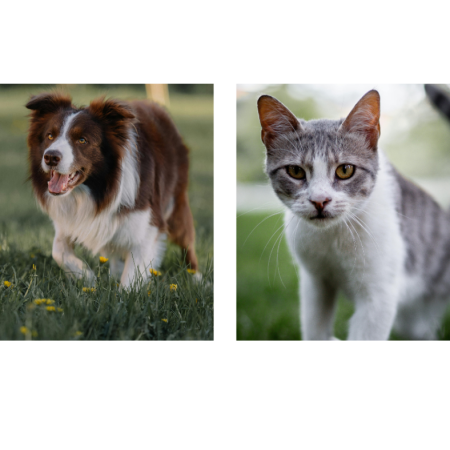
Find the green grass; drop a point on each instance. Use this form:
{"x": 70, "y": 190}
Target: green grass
{"x": 26, "y": 236}
{"x": 267, "y": 285}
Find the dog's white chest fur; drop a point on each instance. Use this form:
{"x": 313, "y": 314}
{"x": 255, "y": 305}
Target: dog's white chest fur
{"x": 75, "y": 217}
{"x": 118, "y": 236}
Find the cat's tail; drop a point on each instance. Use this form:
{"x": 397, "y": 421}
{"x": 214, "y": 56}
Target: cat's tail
{"x": 440, "y": 98}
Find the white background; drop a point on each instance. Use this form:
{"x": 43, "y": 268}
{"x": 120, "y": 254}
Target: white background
{"x": 224, "y": 394}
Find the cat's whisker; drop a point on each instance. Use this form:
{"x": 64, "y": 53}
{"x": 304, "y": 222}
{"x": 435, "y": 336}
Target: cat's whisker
{"x": 271, "y": 251}
{"x": 362, "y": 246}
{"x": 271, "y": 237}
{"x": 278, "y": 263}
{"x": 354, "y": 244}
{"x": 261, "y": 222}
{"x": 278, "y": 250}
{"x": 363, "y": 225}
{"x": 254, "y": 209}
{"x": 279, "y": 238}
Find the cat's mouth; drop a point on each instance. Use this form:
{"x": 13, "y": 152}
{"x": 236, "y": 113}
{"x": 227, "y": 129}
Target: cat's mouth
{"x": 323, "y": 219}
{"x": 321, "y": 215}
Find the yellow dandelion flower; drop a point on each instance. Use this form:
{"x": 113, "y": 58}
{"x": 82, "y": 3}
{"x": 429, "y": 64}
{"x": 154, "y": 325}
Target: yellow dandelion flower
{"x": 40, "y": 301}
{"x": 23, "y": 330}
{"x": 49, "y": 302}
{"x": 50, "y": 308}
{"x": 78, "y": 333}
{"x": 173, "y": 287}
{"x": 88, "y": 289}
{"x": 191, "y": 271}
{"x": 157, "y": 273}
{"x": 103, "y": 259}
{"x": 59, "y": 309}
{"x": 34, "y": 267}
{"x": 149, "y": 292}
{"x": 164, "y": 320}
{"x": 7, "y": 283}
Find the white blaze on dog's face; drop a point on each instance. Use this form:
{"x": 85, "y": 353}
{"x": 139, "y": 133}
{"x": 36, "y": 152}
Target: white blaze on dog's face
{"x": 58, "y": 159}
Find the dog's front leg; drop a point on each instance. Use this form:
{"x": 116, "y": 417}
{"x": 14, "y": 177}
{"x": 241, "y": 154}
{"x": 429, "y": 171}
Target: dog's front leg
{"x": 135, "y": 268}
{"x": 116, "y": 265}
{"x": 141, "y": 259}
{"x": 64, "y": 255}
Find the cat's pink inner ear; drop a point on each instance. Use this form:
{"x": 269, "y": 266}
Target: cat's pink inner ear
{"x": 275, "y": 118}
{"x": 364, "y": 118}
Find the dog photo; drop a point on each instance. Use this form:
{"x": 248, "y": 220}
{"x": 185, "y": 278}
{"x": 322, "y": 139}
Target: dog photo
{"x": 107, "y": 212}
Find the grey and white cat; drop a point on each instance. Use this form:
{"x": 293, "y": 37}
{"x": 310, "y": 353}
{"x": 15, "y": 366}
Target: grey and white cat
{"x": 355, "y": 225}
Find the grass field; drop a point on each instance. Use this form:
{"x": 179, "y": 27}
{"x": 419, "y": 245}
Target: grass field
{"x": 151, "y": 310}
{"x": 267, "y": 285}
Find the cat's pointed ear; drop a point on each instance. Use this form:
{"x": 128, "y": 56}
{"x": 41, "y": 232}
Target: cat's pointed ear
{"x": 364, "y": 118}
{"x": 275, "y": 118}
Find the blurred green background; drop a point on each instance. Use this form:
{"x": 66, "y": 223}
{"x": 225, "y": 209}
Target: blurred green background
{"x": 413, "y": 135}
{"x": 25, "y": 230}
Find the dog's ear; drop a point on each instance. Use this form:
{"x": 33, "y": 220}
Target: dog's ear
{"x": 110, "y": 110}
{"x": 48, "y": 103}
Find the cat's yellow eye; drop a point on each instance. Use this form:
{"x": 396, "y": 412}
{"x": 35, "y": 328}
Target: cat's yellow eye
{"x": 82, "y": 141}
{"x": 345, "y": 171}
{"x": 296, "y": 172}
{"x": 50, "y": 136}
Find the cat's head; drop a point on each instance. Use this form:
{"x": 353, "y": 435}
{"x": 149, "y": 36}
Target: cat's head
{"x": 323, "y": 170}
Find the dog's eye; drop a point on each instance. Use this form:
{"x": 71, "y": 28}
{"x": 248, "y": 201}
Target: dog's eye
{"x": 50, "y": 136}
{"x": 82, "y": 141}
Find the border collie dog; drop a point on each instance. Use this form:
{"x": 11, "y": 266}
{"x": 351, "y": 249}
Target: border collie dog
{"x": 113, "y": 177}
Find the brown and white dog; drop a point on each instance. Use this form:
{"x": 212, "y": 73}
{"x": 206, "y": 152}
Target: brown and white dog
{"x": 113, "y": 177}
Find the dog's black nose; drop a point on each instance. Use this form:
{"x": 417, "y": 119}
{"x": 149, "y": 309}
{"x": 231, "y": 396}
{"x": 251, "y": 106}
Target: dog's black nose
{"x": 52, "y": 157}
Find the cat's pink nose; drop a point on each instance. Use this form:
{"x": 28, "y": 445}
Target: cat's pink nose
{"x": 320, "y": 202}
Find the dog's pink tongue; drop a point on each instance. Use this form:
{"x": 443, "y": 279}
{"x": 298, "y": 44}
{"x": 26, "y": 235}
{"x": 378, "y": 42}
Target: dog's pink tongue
{"x": 58, "y": 183}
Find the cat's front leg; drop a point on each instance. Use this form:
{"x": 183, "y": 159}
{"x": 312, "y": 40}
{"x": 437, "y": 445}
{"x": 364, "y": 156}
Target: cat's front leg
{"x": 373, "y": 318}
{"x": 317, "y": 300}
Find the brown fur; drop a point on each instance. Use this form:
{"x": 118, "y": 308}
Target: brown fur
{"x": 163, "y": 162}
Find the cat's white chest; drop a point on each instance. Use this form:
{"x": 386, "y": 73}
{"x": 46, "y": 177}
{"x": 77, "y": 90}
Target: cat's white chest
{"x": 334, "y": 255}
{"x": 346, "y": 257}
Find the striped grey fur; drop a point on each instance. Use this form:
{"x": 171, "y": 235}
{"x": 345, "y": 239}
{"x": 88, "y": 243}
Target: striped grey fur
{"x": 425, "y": 228}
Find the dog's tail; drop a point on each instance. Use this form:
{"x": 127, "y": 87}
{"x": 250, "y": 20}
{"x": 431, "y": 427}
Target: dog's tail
{"x": 440, "y": 98}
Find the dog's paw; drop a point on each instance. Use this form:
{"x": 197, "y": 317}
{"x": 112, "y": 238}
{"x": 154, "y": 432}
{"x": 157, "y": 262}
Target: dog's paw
{"x": 89, "y": 278}
{"x": 197, "y": 277}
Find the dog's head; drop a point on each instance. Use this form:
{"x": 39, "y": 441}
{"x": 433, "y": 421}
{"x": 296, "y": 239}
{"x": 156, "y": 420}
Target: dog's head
{"x": 70, "y": 146}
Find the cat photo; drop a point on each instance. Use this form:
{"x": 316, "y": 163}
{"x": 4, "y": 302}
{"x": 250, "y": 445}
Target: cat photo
{"x": 354, "y": 225}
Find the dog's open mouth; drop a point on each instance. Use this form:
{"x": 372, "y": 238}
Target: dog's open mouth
{"x": 61, "y": 183}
